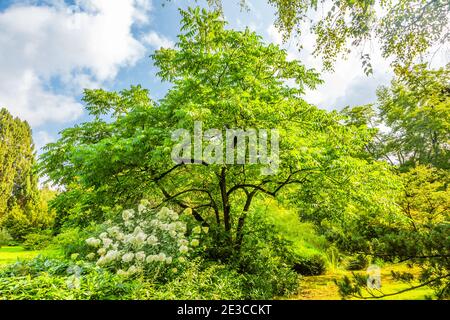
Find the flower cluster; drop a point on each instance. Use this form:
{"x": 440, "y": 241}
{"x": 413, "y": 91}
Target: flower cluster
{"x": 145, "y": 240}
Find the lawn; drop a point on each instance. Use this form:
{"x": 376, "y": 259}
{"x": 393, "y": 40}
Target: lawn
{"x": 12, "y": 254}
{"x": 323, "y": 287}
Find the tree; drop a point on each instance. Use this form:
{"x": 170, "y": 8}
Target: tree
{"x": 20, "y": 208}
{"x": 227, "y": 80}
{"x": 406, "y": 29}
{"x": 416, "y": 108}
{"x": 415, "y": 112}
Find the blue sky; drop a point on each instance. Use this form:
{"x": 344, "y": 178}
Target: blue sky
{"x": 51, "y": 49}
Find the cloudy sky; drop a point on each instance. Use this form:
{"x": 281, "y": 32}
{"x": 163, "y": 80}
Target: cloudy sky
{"x": 51, "y": 49}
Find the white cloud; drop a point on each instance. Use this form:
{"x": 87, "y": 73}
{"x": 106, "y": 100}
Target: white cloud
{"x": 157, "y": 41}
{"x": 347, "y": 85}
{"x": 76, "y": 46}
{"x": 43, "y": 137}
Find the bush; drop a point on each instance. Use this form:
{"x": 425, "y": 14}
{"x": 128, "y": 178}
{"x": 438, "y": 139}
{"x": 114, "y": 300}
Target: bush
{"x": 357, "y": 262}
{"x": 309, "y": 265}
{"x": 5, "y": 237}
{"x": 200, "y": 280}
{"x": 37, "y": 241}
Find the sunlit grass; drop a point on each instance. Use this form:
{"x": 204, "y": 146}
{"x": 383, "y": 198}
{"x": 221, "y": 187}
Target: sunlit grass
{"x": 12, "y": 254}
{"x": 323, "y": 287}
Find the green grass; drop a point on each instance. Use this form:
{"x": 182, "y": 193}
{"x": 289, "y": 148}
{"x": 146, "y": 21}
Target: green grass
{"x": 10, "y": 255}
{"x": 323, "y": 287}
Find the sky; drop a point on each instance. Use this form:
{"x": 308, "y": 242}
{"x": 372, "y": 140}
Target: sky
{"x": 50, "y": 50}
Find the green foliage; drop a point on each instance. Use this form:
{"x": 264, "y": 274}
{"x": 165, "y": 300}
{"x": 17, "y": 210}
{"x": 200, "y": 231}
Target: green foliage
{"x": 23, "y": 208}
{"x": 5, "y": 237}
{"x": 47, "y": 279}
{"x": 202, "y": 281}
{"x": 357, "y": 262}
{"x": 312, "y": 265}
{"x": 416, "y": 108}
{"x": 37, "y": 241}
{"x": 226, "y": 79}
{"x": 406, "y": 29}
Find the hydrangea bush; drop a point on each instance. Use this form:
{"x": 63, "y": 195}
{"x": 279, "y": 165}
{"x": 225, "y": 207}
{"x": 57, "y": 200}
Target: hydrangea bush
{"x": 144, "y": 242}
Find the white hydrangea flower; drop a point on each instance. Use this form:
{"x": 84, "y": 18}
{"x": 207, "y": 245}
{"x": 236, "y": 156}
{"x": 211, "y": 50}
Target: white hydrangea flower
{"x": 183, "y": 249}
{"x": 103, "y": 235}
{"x": 155, "y": 223}
{"x": 140, "y": 256}
{"x": 168, "y": 260}
{"x": 128, "y": 257}
{"x": 152, "y": 240}
{"x": 182, "y": 259}
{"x": 162, "y": 257}
{"x": 139, "y": 239}
{"x": 128, "y": 238}
{"x": 163, "y": 214}
{"x": 180, "y": 226}
{"x": 114, "y": 231}
{"x": 173, "y": 233}
{"x": 151, "y": 258}
{"x": 93, "y": 242}
{"x": 141, "y": 208}
{"x": 107, "y": 242}
{"x": 173, "y": 215}
{"x": 101, "y": 251}
{"x": 111, "y": 255}
{"x": 128, "y": 214}
{"x": 183, "y": 242}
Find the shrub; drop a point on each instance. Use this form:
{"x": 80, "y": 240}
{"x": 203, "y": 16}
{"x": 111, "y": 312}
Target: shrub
{"x": 37, "y": 241}
{"x": 312, "y": 265}
{"x": 357, "y": 262}
{"x": 5, "y": 237}
{"x": 144, "y": 242}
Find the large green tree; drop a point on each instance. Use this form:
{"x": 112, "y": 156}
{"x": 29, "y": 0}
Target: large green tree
{"x": 225, "y": 79}
{"x": 21, "y": 207}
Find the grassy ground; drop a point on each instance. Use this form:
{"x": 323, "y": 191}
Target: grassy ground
{"x": 323, "y": 288}
{"x": 12, "y": 254}
{"x": 311, "y": 288}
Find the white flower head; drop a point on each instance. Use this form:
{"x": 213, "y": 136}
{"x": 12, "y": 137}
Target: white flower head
{"x": 195, "y": 243}
{"x": 93, "y": 242}
{"x": 151, "y": 258}
{"x": 162, "y": 257}
{"x": 183, "y": 249}
{"x": 140, "y": 256}
{"x": 107, "y": 242}
{"x": 128, "y": 214}
{"x": 168, "y": 260}
{"x": 152, "y": 240}
{"x": 103, "y": 235}
{"x": 101, "y": 251}
{"x": 128, "y": 257}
